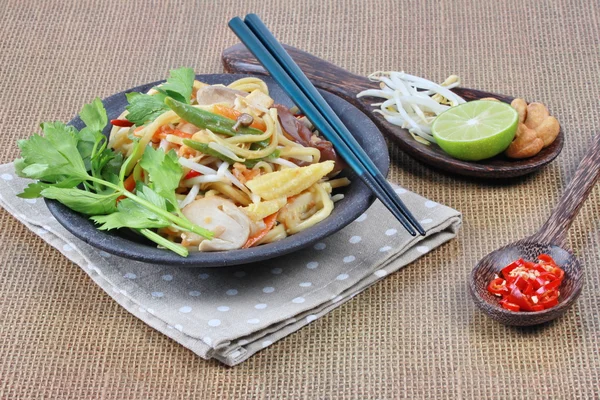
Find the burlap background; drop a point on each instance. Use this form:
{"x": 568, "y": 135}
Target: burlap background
{"x": 414, "y": 335}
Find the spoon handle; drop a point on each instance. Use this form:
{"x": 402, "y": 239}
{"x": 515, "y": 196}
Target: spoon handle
{"x": 555, "y": 228}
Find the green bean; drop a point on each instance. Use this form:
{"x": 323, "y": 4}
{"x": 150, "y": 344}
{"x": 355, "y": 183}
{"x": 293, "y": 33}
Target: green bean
{"x": 207, "y": 120}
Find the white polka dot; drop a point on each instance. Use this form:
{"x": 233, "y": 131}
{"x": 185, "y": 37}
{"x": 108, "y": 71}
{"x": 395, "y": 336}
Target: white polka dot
{"x": 243, "y": 342}
{"x": 194, "y": 293}
{"x": 185, "y": 309}
{"x": 320, "y": 246}
{"x": 268, "y": 289}
{"x": 179, "y": 327}
{"x": 426, "y": 221}
{"x": 142, "y": 310}
{"x": 341, "y": 277}
{"x": 349, "y": 259}
{"x": 430, "y": 204}
{"x": 31, "y": 201}
{"x": 298, "y": 300}
{"x": 207, "y": 340}
{"x": 235, "y": 354}
{"x": 150, "y": 310}
{"x": 385, "y": 248}
{"x": 336, "y": 299}
{"x": 41, "y": 231}
{"x": 266, "y": 343}
{"x": 361, "y": 218}
{"x": 260, "y": 306}
{"x": 239, "y": 274}
{"x": 7, "y": 177}
{"x": 115, "y": 289}
{"x": 391, "y": 232}
{"x": 355, "y": 239}
{"x": 310, "y": 318}
{"x": 130, "y": 275}
{"x": 223, "y": 308}
{"x": 422, "y": 249}
{"x": 203, "y": 276}
{"x": 312, "y": 265}
{"x": 104, "y": 254}
{"x": 305, "y": 284}
{"x": 231, "y": 292}
{"x": 214, "y": 322}
{"x": 169, "y": 327}
{"x": 253, "y": 321}
{"x": 276, "y": 271}
{"x": 67, "y": 247}
{"x": 400, "y": 190}
{"x": 157, "y": 294}
{"x": 123, "y": 292}
{"x": 167, "y": 277}
{"x": 380, "y": 273}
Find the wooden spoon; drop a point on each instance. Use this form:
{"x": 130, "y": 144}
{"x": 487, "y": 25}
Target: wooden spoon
{"x": 237, "y": 59}
{"x": 550, "y": 239}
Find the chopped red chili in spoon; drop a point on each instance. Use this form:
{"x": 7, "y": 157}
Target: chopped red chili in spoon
{"x": 528, "y": 286}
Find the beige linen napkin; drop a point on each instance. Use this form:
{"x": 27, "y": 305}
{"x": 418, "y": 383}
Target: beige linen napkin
{"x": 230, "y": 313}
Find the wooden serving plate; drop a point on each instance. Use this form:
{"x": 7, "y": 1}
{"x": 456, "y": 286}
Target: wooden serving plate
{"x": 324, "y": 75}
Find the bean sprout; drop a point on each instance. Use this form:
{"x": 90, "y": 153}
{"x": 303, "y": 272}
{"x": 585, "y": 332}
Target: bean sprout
{"x": 412, "y": 102}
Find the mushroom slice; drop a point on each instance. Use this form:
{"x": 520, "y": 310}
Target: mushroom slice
{"x": 230, "y": 224}
{"x": 218, "y": 94}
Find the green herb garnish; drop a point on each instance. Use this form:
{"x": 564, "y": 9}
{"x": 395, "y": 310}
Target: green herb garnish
{"x": 78, "y": 169}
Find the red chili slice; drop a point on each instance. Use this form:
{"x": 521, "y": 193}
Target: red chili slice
{"x": 497, "y": 286}
{"x": 510, "y": 306}
{"x": 121, "y": 122}
{"x": 191, "y": 174}
{"x": 507, "y": 270}
{"x": 533, "y": 288}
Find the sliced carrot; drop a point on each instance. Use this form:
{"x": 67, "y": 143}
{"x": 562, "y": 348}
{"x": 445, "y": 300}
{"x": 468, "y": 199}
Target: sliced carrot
{"x": 269, "y": 222}
{"x": 129, "y": 185}
{"x": 234, "y": 114}
{"x": 167, "y": 130}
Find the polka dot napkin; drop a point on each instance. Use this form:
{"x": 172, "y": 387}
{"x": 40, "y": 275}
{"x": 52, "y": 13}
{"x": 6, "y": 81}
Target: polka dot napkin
{"x": 231, "y": 313}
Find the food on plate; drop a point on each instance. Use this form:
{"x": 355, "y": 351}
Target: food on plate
{"x": 412, "y": 102}
{"x": 190, "y": 166}
{"x": 528, "y": 286}
{"x": 475, "y": 130}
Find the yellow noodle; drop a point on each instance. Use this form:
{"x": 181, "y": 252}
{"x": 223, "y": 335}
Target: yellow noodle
{"x": 324, "y": 212}
{"x": 229, "y": 191}
{"x": 292, "y": 152}
{"x": 277, "y": 233}
{"x": 249, "y": 84}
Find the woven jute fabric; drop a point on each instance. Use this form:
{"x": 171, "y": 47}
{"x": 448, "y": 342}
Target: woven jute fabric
{"x": 415, "y": 334}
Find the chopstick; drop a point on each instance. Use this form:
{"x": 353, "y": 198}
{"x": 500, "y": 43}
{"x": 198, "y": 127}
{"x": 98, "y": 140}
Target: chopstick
{"x": 334, "y": 131}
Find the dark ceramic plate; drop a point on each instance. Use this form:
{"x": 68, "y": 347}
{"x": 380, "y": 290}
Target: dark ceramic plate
{"x": 357, "y": 196}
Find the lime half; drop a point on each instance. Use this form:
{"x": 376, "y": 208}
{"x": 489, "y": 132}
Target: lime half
{"x": 476, "y": 130}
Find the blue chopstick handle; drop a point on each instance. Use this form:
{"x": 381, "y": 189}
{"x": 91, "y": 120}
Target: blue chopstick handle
{"x": 291, "y": 88}
{"x": 297, "y": 75}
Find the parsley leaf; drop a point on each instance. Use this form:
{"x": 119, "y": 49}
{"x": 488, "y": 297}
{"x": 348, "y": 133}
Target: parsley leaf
{"x": 143, "y": 108}
{"x": 132, "y": 214}
{"x": 82, "y": 201}
{"x": 51, "y": 157}
{"x": 164, "y": 172}
{"x": 93, "y": 115}
{"x": 179, "y": 84}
